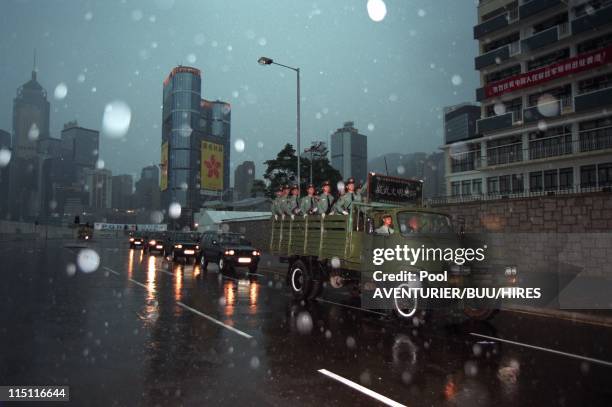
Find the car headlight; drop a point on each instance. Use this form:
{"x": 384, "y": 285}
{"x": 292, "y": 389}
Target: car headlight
{"x": 131, "y": 239}
{"x": 255, "y": 253}
{"x": 230, "y": 252}
{"x": 178, "y": 246}
{"x": 152, "y": 242}
{"x": 197, "y": 247}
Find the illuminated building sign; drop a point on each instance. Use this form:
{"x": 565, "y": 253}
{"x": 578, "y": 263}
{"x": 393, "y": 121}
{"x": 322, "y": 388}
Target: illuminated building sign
{"x": 211, "y": 167}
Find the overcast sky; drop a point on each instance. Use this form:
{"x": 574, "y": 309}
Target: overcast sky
{"x": 392, "y": 78}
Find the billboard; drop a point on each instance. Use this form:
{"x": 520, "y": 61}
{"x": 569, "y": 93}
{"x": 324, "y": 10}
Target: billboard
{"x": 163, "y": 179}
{"x": 211, "y": 167}
{"x": 394, "y": 190}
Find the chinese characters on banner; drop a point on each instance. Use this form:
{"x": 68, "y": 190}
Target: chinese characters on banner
{"x": 211, "y": 167}
{"x": 579, "y": 63}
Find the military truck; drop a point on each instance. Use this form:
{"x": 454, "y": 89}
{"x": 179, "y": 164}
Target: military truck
{"x": 336, "y": 250}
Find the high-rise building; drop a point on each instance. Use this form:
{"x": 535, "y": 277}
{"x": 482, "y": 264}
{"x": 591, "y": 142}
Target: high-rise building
{"x": 195, "y": 144}
{"x": 147, "y": 195}
{"x": 5, "y": 151}
{"x": 123, "y": 186}
{"x": 98, "y": 184}
{"x": 349, "y": 152}
{"x": 244, "y": 175}
{"x": 30, "y": 127}
{"x": 546, "y": 94}
{"x": 63, "y": 192}
{"x": 80, "y": 144}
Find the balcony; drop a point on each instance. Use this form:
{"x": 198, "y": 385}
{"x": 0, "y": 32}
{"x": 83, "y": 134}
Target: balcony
{"x": 591, "y": 21}
{"x": 596, "y": 139}
{"x": 506, "y": 154}
{"x": 465, "y": 161}
{"x": 554, "y": 108}
{"x": 498, "y": 122}
{"x": 550, "y": 146}
{"x": 489, "y": 26}
{"x": 497, "y": 55}
{"x": 533, "y": 7}
{"x": 593, "y": 100}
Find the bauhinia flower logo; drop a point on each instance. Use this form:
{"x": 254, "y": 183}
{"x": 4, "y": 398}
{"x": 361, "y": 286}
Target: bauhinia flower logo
{"x": 212, "y": 165}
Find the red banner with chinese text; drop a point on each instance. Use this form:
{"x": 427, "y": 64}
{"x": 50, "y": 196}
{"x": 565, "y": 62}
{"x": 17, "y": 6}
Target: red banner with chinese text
{"x": 579, "y": 63}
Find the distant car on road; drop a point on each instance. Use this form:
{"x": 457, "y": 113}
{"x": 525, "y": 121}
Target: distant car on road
{"x": 228, "y": 250}
{"x": 155, "y": 243}
{"x": 137, "y": 240}
{"x": 185, "y": 245}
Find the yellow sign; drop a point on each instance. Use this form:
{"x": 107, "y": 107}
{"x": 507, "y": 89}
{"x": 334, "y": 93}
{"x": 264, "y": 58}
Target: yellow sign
{"x": 211, "y": 167}
{"x": 163, "y": 179}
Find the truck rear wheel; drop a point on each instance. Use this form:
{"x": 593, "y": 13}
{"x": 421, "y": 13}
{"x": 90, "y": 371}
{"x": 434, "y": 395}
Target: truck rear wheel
{"x": 299, "y": 280}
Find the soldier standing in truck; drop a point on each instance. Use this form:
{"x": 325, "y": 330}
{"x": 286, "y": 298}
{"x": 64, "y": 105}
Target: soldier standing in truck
{"x": 292, "y": 206}
{"x": 276, "y": 203}
{"x": 309, "y": 203}
{"x": 345, "y": 202}
{"x": 326, "y": 200}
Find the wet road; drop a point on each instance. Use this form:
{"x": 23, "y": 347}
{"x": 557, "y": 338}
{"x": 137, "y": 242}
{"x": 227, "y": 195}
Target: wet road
{"x": 141, "y": 331}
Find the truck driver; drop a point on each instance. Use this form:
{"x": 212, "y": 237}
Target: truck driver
{"x": 387, "y": 226}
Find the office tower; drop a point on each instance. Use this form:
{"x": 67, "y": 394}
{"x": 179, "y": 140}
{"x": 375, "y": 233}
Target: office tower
{"x": 123, "y": 191}
{"x": 244, "y": 175}
{"x": 147, "y": 195}
{"x": 98, "y": 184}
{"x": 349, "y": 152}
{"x": 80, "y": 145}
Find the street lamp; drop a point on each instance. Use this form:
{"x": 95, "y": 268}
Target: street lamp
{"x": 270, "y": 61}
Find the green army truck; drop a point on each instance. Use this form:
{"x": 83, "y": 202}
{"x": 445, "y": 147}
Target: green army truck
{"x": 336, "y": 250}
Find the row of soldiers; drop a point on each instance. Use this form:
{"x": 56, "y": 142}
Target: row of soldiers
{"x": 288, "y": 202}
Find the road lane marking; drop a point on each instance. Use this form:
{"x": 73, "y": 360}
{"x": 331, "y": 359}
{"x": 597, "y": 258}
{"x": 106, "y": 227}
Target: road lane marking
{"x": 352, "y": 307}
{"x": 213, "y": 320}
{"x": 558, "y": 352}
{"x": 362, "y": 389}
{"x": 132, "y": 280}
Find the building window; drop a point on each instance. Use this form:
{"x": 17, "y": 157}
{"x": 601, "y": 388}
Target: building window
{"x": 605, "y": 174}
{"x": 548, "y": 59}
{"x": 517, "y": 183}
{"x": 493, "y": 185}
{"x": 595, "y": 134}
{"x": 455, "y": 185}
{"x": 493, "y": 45}
{"x": 595, "y": 43}
{"x": 590, "y": 7}
{"x": 561, "y": 93}
{"x": 550, "y": 143}
{"x": 550, "y": 180}
{"x": 466, "y": 187}
{"x": 551, "y": 22}
{"x": 502, "y": 74}
{"x": 504, "y": 184}
{"x": 566, "y": 178}
{"x": 535, "y": 181}
{"x": 511, "y": 8}
{"x": 477, "y": 187}
{"x": 504, "y": 150}
{"x": 466, "y": 160}
{"x": 514, "y": 105}
{"x": 588, "y": 176}
{"x": 595, "y": 83}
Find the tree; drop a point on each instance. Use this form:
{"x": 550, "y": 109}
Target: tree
{"x": 282, "y": 170}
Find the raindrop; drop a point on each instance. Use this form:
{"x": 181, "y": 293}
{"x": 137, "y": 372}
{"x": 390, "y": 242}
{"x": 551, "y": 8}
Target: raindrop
{"x": 230, "y": 48}
{"x": 318, "y": 115}
{"x": 254, "y": 362}
{"x": 239, "y": 145}
{"x": 393, "y": 97}
{"x": 421, "y": 13}
{"x": 335, "y": 262}
{"x": 152, "y": 18}
{"x": 52, "y": 204}
{"x": 260, "y": 144}
{"x": 406, "y": 377}
{"x": 199, "y": 39}
{"x": 191, "y": 58}
{"x": 456, "y": 80}
{"x": 262, "y": 41}
{"x": 432, "y": 65}
{"x": 61, "y": 90}
{"x": 100, "y": 164}
{"x": 88, "y": 260}
{"x": 250, "y": 34}
{"x": 174, "y": 210}
{"x": 222, "y": 300}
{"x": 5, "y": 157}
{"x": 542, "y": 126}
{"x": 497, "y": 60}
{"x": 401, "y": 169}
{"x": 116, "y": 120}
{"x": 477, "y": 349}
{"x": 371, "y": 126}
{"x": 350, "y": 342}
{"x": 88, "y": 16}
{"x": 157, "y": 217}
{"x": 499, "y": 108}
{"x": 548, "y": 105}
{"x": 184, "y": 186}
{"x": 328, "y": 334}
{"x": 137, "y": 15}
{"x": 304, "y": 323}
{"x": 214, "y": 44}
{"x": 154, "y": 45}
{"x": 377, "y": 10}
{"x": 340, "y": 186}
{"x": 34, "y": 132}
{"x": 470, "y": 368}
{"x": 81, "y": 78}
{"x": 71, "y": 269}
{"x": 94, "y": 89}
{"x": 235, "y": 94}
{"x": 365, "y": 378}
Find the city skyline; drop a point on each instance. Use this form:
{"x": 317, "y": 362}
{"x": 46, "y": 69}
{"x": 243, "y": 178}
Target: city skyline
{"x": 375, "y": 82}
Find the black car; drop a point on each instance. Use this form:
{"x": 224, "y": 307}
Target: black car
{"x": 155, "y": 243}
{"x": 228, "y": 250}
{"x": 137, "y": 240}
{"x": 184, "y": 245}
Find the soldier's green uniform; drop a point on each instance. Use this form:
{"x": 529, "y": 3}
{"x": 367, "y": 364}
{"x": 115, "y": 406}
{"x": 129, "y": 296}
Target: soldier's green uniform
{"x": 344, "y": 203}
{"x": 292, "y": 203}
{"x": 309, "y": 204}
{"x": 326, "y": 201}
{"x": 276, "y": 203}
{"x": 282, "y": 201}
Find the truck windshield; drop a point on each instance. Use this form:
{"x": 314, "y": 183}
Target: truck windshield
{"x": 411, "y": 223}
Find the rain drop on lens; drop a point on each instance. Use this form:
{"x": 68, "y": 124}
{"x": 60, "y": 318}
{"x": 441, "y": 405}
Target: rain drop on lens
{"x": 377, "y": 10}
{"x": 239, "y": 145}
{"x": 60, "y": 92}
{"x": 174, "y": 210}
{"x": 88, "y": 260}
{"x": 116, "y": 119}
{"x": 304, "y": 323}
{"x": 5, "y": 157}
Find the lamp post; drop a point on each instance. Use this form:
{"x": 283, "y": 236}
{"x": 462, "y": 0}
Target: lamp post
{"x": 270, "y": 61}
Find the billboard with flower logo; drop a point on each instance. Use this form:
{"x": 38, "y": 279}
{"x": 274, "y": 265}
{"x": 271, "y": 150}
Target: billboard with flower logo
{"x": 211, "y": 167}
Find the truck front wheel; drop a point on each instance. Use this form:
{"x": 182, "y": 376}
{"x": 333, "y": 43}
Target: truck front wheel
{"x": 299, "y": 280}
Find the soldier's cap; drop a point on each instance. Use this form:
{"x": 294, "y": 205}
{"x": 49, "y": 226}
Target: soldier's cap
{"x": 386, "y": 215}
{"x": 285, "y": 187}
{"x": 280, "y": 188}
{"x": 351, "y": 180}
{"x": 326, "y": 183}
{"x": 310, "y": 186}
{"x": 294, "y": 187}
